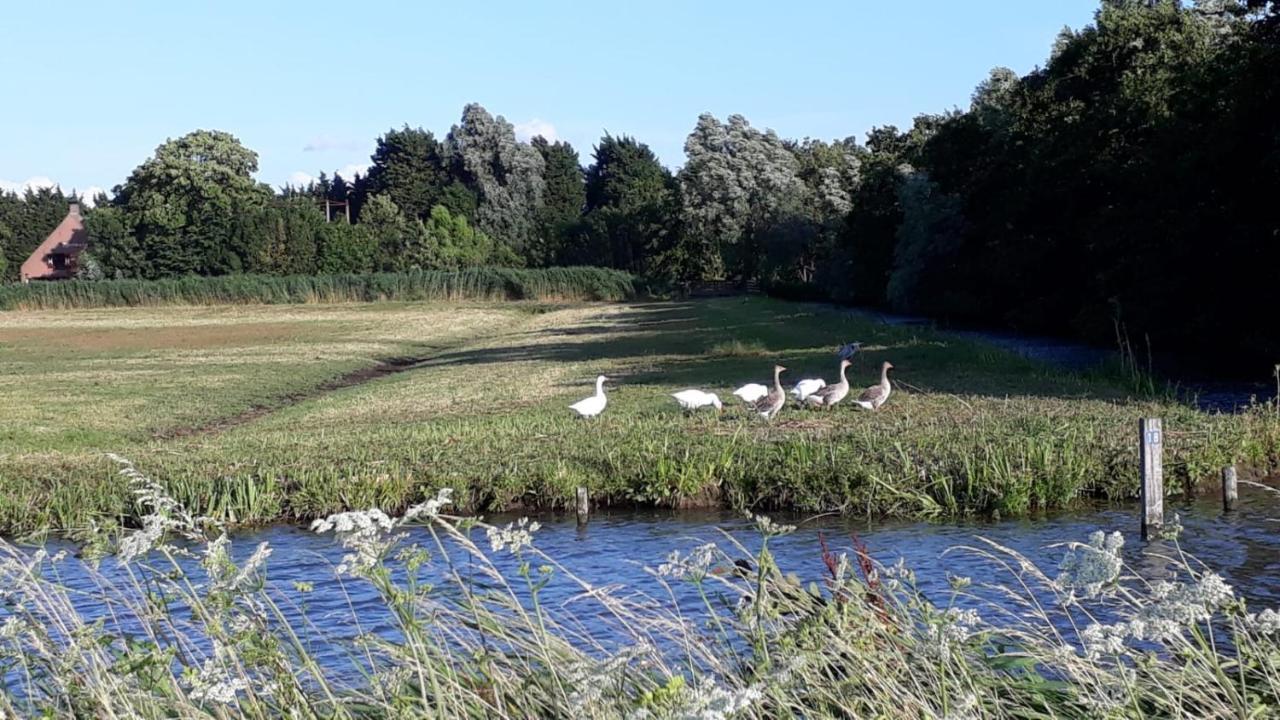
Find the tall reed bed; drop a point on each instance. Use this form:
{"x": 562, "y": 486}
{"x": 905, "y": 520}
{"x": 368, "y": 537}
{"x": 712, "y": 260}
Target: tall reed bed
{"x": 566, "y": 283}
{"x": 209, "y": 638}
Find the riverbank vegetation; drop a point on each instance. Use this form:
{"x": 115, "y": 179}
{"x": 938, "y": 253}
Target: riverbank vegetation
{"x": 252, "y": 414}
{"x": 181, "y": 622}
{"x": 488, "y": 283}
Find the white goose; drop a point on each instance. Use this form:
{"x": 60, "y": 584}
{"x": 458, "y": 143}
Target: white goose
{"x": 807, "y": 387}
{"x": 594, "y": 405}
{"x": 751, "y": 392}
{"x": 691, "y": 400}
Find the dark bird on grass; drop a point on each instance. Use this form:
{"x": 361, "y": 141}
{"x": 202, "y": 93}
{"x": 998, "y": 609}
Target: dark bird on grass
{"x": 769, "y": 405}
{"x": 848, "y": 350}
{"x": 876, "y": 395}
{"x": 774, "y": 582}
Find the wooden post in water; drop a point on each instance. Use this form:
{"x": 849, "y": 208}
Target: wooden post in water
{"x": 1152, "y": 452}
{"x": 1230, "y": 494}
{"x": 584, "y": 505}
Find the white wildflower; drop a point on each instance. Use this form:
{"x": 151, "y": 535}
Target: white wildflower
{"x": 694, "y": 566}
{"x": 590, "y": 679}
{"x": 252, "y": 565}
{"x": 1266, "y": 622}
{"x": 769, "y": 528}
{"x": 143, "y": 541}
{"x": 896, "y": 575}
{"x": 708, "y": 701}
{"x": 354, "y": 521}
{"x": 212, "y": 684}
{"x": 366, "y": 533}
{"x": 514, "y": 537}
{"x": 430, "y": 509}
{"x": 951, "y": 628}
{"x": 1093, "y": 567}
{"x": 1174, "y": 608}
{"x": 1104, "y": 640}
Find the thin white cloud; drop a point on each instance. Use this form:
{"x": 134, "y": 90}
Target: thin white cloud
{"x": 88, "y": 195}
{"x": 32, "y": 183}
{"x": 526, "y": 131}
{"x": 349, "y": 172}
{"x": 325, "y": 143}
{"x": 300, "y": 179}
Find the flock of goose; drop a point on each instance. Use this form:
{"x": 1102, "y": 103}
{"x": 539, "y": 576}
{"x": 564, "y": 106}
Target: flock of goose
{"x": 765, "y": 401}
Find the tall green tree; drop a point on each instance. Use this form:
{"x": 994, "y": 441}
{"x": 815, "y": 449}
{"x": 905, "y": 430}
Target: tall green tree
{"x": 504, "y": 174}
{"x": 736, "y": 184}
{"x": 184, "y": 203}
{"x": 391, "y": 233}
{"x": 345, "y": 248}
{"x": 6, "y": 238}
{"x": 409, "y": 168}
{"x": 564, "y": 199}
{"x": 631, "y": 206}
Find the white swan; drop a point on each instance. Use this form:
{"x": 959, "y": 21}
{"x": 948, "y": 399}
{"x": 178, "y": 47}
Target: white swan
{"x": 751, "y": 392}
{"x": 691, "y": 400}
{"x": 594, "y": 405}
{"x": 807, "y": 387}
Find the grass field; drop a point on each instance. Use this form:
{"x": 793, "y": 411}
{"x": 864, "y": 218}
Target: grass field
{"x": 259, "y": 413}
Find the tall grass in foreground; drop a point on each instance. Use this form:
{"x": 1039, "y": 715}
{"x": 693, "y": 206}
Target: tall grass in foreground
{"x": 1091, "y": 640}
{"x": 490, "y": 283}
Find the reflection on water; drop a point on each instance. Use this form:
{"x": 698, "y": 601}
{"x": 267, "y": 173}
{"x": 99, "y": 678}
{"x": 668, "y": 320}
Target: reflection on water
{"x": 617, "y": 547}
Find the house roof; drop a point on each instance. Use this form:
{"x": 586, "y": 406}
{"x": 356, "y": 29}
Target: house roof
{"x": 68, "y": 239}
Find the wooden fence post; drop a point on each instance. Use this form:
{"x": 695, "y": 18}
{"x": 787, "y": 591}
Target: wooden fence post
{"x": 584, "y": 505}
{"x": 1152, "y": 451}
{"x": 1230, "y": 493}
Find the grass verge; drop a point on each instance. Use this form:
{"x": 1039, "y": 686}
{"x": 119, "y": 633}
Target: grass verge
{"x": 241, "y": 410}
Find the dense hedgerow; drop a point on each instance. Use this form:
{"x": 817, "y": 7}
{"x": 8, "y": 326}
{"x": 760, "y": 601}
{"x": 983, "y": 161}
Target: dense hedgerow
{"x": 561, "y": 283}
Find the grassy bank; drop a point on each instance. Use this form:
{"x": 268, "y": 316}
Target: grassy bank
{"x": 254, "y": 414}
{"x": 570, "y": 283}
{"x": 468, "y": 636}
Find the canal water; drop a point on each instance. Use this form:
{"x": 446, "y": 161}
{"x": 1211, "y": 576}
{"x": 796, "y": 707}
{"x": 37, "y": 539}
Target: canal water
{"x": 621, "y": 548}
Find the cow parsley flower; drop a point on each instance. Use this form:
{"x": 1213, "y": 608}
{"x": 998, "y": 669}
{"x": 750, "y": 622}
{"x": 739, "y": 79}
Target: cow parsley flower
{"x": 1174, "y": 608}
{"x": 430, "y": 509}
{"x": 694, "y": 565}
{"x": 1093, "y": 567}
{"x": 953, "y": 627}
{"x": 709, "y": 701}
{"x": 1104, "y": 640}
{"x": 212, "y": 684}
{"x": 896, "y": 575}
{"x": 366, "y": 533}
{"x": 769, "y": 528}
{"x": 1266, "y": 622}
{"x": 514, "y": 537}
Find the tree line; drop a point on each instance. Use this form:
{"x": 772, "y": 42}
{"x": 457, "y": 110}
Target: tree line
{"x": 1129, "y": 182}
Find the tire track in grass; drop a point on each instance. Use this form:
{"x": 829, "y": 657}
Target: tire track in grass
{"x": 381, "y": 368}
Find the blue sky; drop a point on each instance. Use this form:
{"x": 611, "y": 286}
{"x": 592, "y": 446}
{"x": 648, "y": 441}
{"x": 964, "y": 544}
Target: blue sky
{"x": 93, "y": 88}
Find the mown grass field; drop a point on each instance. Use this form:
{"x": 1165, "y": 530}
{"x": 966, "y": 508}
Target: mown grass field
{"x": 260, "y": 413}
